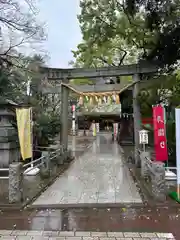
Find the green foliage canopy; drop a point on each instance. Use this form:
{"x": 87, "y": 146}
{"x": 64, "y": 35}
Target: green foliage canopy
{"x": 110, "y": 35}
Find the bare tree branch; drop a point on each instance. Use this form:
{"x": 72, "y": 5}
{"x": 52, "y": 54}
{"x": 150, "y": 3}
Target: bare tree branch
{"x": 122, "y": 59}
{"x": 105, "y": 61}
{"x": 17, "y": 18}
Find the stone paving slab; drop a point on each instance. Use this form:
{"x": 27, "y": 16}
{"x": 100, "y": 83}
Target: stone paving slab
{"x": 70, "y": 235}
{"x": 99, "y": 176}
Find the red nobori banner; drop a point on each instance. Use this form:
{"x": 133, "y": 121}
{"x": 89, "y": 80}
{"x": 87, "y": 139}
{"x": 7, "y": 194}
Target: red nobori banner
{"x": 160, "y": 142}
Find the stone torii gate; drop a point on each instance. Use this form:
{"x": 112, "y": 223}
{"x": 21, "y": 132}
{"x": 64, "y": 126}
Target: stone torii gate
{"x": 62, "y": 76}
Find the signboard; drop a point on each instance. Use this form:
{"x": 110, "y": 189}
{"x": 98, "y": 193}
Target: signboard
{"x": 160, "y": 142}
{"x": 143, "y": 137}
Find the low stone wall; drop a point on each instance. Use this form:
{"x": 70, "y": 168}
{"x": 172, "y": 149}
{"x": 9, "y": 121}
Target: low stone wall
{"x": 16, "y": 173}
{"x": 155, "y": 172}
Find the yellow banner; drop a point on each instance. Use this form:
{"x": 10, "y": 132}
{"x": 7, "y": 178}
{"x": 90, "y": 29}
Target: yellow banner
{"x": 94, "y": 130}
{"x": 23, "y": 116}
{"x": 117, "y": 99}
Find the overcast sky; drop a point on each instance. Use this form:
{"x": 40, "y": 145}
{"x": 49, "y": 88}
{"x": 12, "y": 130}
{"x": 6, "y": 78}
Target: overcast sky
{"x": 62, "y": 28}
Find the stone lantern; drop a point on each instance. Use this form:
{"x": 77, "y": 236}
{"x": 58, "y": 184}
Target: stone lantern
{"x": 9, "y": 143}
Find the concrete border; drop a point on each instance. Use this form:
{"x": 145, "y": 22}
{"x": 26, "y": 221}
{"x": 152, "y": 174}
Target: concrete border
{"x": 84, "y": 235}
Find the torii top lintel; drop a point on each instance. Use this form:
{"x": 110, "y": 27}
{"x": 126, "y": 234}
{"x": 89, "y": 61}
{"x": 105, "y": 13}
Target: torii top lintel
{"x": 74, "y": 73}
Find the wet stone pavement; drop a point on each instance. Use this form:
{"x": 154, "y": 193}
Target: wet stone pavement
{"x": 79, "y": 145}
{"x": 98, "y": 176}
{"x": 101, "y": 161}
{"x": 34, "y": 184}
{"x": 130, "y": 223}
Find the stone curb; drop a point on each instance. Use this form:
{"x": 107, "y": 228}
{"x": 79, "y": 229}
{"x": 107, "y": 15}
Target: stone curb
{"x": 79, "y": 235}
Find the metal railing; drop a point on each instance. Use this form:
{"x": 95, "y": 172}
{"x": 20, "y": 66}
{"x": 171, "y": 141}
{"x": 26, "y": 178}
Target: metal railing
{"x": 35, "y": 163}
{"x": 55, "y": 154}
{"x": 42, "y": 160}
{"x": 174, "y": 176}
{"x": 4, "y": 177}
{"x": 32, "y": 166}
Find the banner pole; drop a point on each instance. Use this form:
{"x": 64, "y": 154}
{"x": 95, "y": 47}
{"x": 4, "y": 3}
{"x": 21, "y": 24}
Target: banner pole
{"x": 177, "y": 115}
{"x": 167, "y": 161}
{"x": 31, "y": 121}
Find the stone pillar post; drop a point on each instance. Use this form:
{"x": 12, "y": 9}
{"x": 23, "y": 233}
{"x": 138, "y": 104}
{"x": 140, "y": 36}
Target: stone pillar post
{"x": 64, "y": 116}
{"x": 144, "y": 165}
{"x": 137, "y": 118}
{"x": 45, "y": 168}
{"x": 15, "y": 183}
{"x": 61, "y": 157}
{"x": 158, "y": 181}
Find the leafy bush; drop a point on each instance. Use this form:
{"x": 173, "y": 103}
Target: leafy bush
{"x": 47, "y": 126}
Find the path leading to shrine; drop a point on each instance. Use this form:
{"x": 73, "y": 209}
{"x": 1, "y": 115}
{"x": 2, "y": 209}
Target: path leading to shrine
{"x": 99, "y": 176}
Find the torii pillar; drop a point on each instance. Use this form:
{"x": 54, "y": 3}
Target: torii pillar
{"x": 64, "y": 117}
{"x": 137, "y": 118}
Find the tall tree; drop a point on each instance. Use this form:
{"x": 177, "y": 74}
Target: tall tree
{"x": 111, "y": 36}
{"x": 149, "y": 29}
{"x": 161, "y": 17}
{"x": 114, "y": 52}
